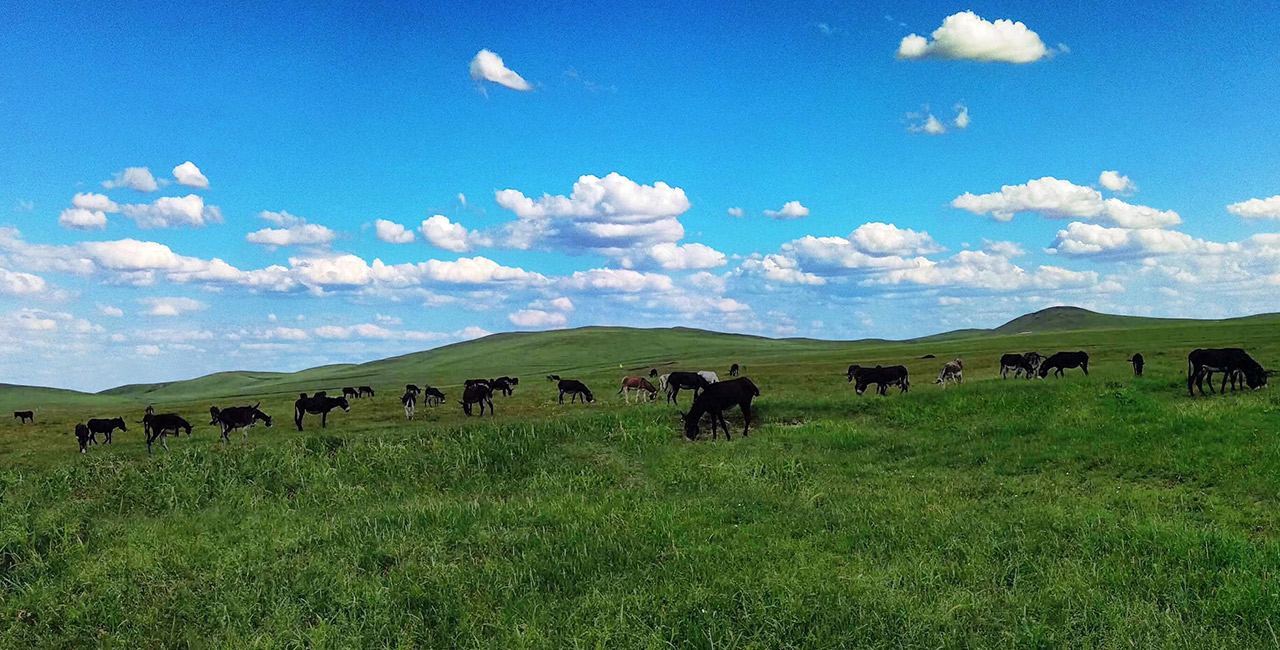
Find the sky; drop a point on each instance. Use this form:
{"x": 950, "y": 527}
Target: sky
{"x": 188, "y": 189}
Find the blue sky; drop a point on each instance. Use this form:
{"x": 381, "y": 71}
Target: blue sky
{"x": 575, "y": 165}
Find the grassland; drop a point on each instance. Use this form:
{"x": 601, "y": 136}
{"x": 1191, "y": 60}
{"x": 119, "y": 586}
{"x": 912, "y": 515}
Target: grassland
{"x": 1104, "y": 512}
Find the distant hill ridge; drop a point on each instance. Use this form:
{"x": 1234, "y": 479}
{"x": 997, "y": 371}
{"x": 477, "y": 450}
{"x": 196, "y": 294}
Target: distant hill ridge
{"x": 573, "y": 350}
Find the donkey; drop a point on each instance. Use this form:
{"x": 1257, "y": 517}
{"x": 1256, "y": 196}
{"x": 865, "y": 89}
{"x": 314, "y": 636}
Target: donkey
{"x": 410, "y": 402}
{"x": 715, "y": 399}
{"x": 574, "y": 389}
{"x": 480, "y": 394}
{"x": 639, "y": 385}
{"x": 504, "y": 385}
{"x": 952, "y": 372}
{"x": 84, "y": 436}
{"x": 25, "y": 417}
{"x": 433, "y": 396}
{"x": 677, "y": 381}
{"x": 238, "y": 417}
{"x": 106, "y": 427}
{"x": 364, "y": 391}
{"x": 350, "y": 392}
{"x": 318, "y": 404}
{"x": 159, "y": 426}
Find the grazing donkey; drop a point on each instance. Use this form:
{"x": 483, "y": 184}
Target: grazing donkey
{"x": 25, "y": 417}
{"x": 106, "y": 427}
{"x": 575, "y": 389}
{"x": 410, "y": 402}
{"x": 677, "y": 381}
{"x": 159, "y": 426}
{"x": 1138, "y": 364}
{"x": 715, "y": 399}
{"x": 734, "y": 370}
{"x": 952, "y": 372}
{"x": 639, "y": 385}
{"x": 1064, "y": 361}
{"x": 1234, "y": 363}
{"x": 1018, "y": 364}
{"x": 504, "y": 385}
{"x": 477, "y": 393}
{"x": 240, "y": 418}
{"x": 364, "y": 391}
{"x": 84, "y": 436}
{"x": 350, "y": 392}
{"x": 412, "y": 388}
{"x": 318, "y": 404}
{"x": 881, "y": 376}
{"x": 433, "y": 396}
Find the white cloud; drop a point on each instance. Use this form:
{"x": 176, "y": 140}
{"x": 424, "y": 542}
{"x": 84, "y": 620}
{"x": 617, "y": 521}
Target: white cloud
{"x": 617, "y": 281}
{"x": 295, "y": 232}
{"x": 392, "y": 232}
{"x": 189, "y": 175}
{"x": 735, "y": 212}
{"x": 925, "y": 122}
{"x": 363, "y": 331}
{"x": 1268, "y": 208}
{"x": 281, "y": 218}
{"x": 675, "y": 257}
{"x": 966, "y": 35}
{"x": 877, "y": 238}
{"x": 707, "y": 282}
{"x": 1003, "y": 248}
{"x": 309, "y": 234}
{"x": 1090, "y": 240}
{"x": 285, "y": 334}
{"x": 838, "y": 255}
{"x": 172, "y": 306}
{"x": 135, "y": 178}
{"x": 14, "y": 283}
{"x": 444, "y": 234}
{"x": 487, "y": 66}
{"x": 165, "y": 335}
{"x": 1116, "y": 182}
{"x": 790, "y": 210}
{"x": 24, "y": 205}
{"x": 962, "y": 117}
{"x": 110, "y": 310}
{"x": 1058, "y": 199}
{"x": 609, "y": 215}
{"x": 96, "y": 202}
{"x": 780, "y": 269}
{"x": 981, "y": 270}
{"x": 538, "y": 318}
{"x": 81, "y": 219}
{"x": 173, "y": 211}
{"x": 147, "y": 350}
{"x": 557, "y": 304}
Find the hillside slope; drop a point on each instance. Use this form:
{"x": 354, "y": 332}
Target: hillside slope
{"x": 586, "y": 349}
{"x": 1057, "y": 319}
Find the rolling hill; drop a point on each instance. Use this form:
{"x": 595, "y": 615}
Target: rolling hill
{"x": 578, "y": 350}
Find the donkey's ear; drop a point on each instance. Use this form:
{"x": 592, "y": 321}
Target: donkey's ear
{"x": 257, "y": 405}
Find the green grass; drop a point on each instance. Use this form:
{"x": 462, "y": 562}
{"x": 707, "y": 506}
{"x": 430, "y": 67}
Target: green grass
{"x": 1103, "y": 512}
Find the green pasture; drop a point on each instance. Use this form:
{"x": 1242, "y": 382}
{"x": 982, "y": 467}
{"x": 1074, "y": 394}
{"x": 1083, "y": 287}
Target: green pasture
{"x": 1088, "y": 512}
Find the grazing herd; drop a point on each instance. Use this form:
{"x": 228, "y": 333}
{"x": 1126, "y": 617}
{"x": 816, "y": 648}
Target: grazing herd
{"x": 711, "y": 397}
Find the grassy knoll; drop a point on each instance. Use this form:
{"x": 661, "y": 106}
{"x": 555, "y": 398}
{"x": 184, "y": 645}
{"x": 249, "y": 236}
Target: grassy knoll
{"x": 1088, "y": 512}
